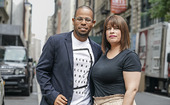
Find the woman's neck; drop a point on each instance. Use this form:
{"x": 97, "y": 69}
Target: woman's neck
{"x": 115, "y": 50}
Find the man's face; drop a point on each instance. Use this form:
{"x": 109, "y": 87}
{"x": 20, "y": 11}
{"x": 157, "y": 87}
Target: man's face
{"x": 83, "y": 22}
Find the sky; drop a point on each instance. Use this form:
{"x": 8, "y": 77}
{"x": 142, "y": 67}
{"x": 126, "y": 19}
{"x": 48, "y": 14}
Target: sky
{"x": 41, "y": 9}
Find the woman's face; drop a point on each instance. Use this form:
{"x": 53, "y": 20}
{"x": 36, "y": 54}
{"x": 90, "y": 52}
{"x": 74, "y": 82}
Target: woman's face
{"x": 113, "y": 34}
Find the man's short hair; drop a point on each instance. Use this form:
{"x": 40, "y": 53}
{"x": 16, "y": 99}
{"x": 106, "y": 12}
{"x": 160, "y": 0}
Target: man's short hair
{"x": 83, "y": 6}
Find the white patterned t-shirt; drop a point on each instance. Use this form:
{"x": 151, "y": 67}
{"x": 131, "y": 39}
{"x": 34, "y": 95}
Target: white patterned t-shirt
{"x": 83, "y": 60}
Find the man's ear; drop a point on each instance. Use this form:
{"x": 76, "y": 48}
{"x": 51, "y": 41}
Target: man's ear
{"x": 73, "y": 21}
{"x": 94, "y": 22}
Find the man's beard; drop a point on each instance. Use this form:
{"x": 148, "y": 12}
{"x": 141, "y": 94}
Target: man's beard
{"x": 82, "y": 35}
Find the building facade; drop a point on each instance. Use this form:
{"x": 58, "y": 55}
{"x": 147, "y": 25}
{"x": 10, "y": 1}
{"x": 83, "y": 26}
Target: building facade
{"x": 54, "y": 21}
{"x": 67, "y": 13}
{"x": 35, "y": 48}
{"x": 16, "y": 22}
{"x": 102, "y": 8}
{"x": 50, "y": 27}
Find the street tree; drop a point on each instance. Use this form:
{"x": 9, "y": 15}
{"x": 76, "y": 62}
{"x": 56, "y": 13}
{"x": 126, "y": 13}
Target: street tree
{"x": 159, "y": 9}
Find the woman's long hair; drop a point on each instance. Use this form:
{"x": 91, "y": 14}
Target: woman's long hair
{"x": 121, "y": 24}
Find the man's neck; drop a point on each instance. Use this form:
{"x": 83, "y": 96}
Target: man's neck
{"x": 82, "y": 39}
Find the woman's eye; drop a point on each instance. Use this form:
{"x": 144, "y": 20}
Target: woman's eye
{"x": 108, "y": 28}
{"x": 116, "y": 27}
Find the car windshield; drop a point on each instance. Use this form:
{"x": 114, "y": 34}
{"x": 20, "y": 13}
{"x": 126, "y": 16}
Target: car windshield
{"x": 13, "y": 55}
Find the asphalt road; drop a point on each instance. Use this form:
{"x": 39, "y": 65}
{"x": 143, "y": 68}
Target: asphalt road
{"x": 144, "y": 98}
{"x": 16, "y": 98}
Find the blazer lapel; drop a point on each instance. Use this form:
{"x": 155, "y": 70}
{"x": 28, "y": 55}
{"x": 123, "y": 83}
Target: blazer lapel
{"x": 68, "y": 44}
{"x": 93, "y": 49}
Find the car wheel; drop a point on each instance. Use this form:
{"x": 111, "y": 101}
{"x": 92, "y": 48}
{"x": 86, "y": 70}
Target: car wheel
{"x": 3, "y": 103}
{"x": 168, "y": 88}
{"x": 31, "y": 89}
{"x": 27, "y": 91}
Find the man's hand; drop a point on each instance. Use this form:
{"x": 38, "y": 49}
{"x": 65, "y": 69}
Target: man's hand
{"x": 60, "y": 100}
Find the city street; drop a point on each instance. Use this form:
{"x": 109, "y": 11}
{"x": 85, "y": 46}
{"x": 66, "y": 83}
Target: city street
{"x": 16, "y": 98}
{"x": 56, "y": 38}
{"x": 142, "y": 98}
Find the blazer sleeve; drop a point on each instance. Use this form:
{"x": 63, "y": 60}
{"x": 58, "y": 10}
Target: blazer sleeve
{"x": 44, "y": 71}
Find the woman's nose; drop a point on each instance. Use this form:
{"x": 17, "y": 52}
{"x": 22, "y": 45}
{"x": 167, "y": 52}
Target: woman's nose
{"x": 112, "y": 30}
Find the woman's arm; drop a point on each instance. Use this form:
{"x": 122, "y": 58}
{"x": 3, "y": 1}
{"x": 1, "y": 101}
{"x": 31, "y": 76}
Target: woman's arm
{"x": 132, "y": 80}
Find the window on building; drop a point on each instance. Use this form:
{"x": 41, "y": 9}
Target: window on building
{"x": 8, "y": 40}
{"x": 145, "y": 19}
{"x": 129, "y": 5}
{"x": 128, "y": 22}
{"x": 0, "y": 19}
{"x": 11, "y": 40}
{"x": 19, "y": 41}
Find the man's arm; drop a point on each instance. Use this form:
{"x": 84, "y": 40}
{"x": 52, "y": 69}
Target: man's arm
{"x": 44, "y": 70}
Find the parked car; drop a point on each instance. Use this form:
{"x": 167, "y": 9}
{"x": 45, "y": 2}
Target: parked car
{"x": 15, "y": 69}
{"x": 2, "y": 83}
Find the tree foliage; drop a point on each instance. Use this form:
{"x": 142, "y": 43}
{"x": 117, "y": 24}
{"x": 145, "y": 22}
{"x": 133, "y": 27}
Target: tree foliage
{"x": 159, "y": 9}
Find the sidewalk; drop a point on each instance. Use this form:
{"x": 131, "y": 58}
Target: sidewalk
{"x": 38, "y": 91}
{"x": 141, "y": 98}
{"x": 144, "y": 98}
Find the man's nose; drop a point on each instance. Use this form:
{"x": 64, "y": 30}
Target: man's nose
{"x": 83, "y": 22}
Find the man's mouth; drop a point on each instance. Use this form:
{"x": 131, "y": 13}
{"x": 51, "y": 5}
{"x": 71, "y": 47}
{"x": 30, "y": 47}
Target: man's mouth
{"x": 83, "y": 28}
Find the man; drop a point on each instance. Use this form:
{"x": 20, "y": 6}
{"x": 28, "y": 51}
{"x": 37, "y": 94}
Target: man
{"x": 64, "y": 66}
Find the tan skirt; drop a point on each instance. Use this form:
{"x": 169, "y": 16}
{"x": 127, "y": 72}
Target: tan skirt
{"x": 110, "y": 100}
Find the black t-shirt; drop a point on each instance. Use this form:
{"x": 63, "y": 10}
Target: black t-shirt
{"x": 107, "y": 74}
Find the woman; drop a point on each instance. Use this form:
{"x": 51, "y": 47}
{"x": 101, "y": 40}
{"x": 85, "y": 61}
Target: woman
{"x": 116, "y": 75}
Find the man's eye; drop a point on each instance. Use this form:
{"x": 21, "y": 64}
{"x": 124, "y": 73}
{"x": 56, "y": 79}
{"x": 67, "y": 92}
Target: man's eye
{"x": 87, "y": 19}
{"x": 79, "y": 19}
